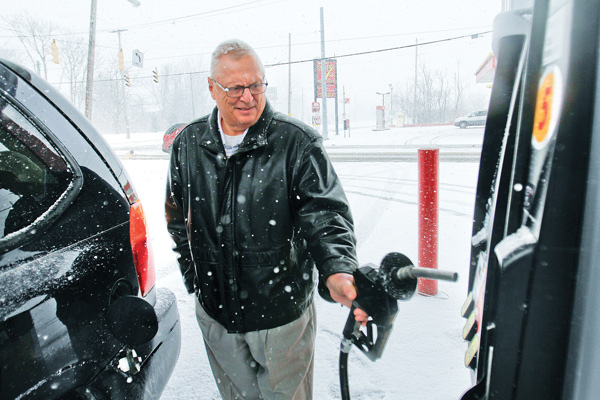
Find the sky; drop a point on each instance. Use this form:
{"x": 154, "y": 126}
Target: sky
{"x": 186, "y": 31}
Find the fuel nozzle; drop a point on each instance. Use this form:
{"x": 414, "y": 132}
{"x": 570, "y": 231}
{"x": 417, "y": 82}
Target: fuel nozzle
{"x": 378, "y": 291}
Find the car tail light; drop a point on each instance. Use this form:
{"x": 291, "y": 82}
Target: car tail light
{"x": 140, "y": 246}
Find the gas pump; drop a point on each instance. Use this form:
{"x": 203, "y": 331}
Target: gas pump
{"x": 536, "y": 205}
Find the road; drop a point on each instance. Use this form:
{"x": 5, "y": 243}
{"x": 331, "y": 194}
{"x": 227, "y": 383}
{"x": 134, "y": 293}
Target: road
{"x": 361, "y": 145}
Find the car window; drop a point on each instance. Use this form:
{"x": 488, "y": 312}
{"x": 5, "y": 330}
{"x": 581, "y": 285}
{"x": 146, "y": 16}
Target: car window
{"x": 33, "y": 174}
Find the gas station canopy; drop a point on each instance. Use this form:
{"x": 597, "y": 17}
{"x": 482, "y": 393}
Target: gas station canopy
{"x": 485, "y": 73}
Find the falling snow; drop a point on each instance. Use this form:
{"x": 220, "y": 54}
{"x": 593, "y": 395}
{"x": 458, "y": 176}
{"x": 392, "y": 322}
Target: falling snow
{"x": 424, "y": 355}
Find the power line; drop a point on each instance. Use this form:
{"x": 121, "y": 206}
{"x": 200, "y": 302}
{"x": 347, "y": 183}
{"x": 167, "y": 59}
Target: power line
{"x": 337, "y": 41}
{"x": 408, "y": 46}
{"x": 471, "y": 35}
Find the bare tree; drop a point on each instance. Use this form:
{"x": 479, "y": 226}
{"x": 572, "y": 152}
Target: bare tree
{"x": 74, "y": 56}
{"x": 35, "y": 36}
{"x": 109, "y": 98}
{"x": 459, "y": 88}
{"x": 179, "y": 96}
{"x": 403, "y": 99}
{"x": 426, "y": 95}
{"x": 435, "y": 94}
{"x": 444, "y": 94}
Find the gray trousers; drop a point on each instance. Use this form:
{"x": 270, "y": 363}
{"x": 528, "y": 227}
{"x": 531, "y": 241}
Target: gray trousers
{"x": 271, "y": 364}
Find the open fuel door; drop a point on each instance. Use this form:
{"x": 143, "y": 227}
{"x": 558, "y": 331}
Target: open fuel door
{"x": 530, "y": 263}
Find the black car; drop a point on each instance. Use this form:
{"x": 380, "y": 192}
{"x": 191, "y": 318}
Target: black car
{"x": 80, "y": 316}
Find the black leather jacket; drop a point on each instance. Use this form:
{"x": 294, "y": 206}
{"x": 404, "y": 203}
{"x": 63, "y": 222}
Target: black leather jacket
{"x": 247, "y": 228}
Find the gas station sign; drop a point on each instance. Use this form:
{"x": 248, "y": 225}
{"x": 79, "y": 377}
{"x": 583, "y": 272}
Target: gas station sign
{"x": 330, "y": 78}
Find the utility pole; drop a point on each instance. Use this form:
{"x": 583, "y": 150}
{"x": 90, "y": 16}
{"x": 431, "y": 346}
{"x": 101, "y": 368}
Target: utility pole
{"x": 122, "y": 83}
{"x": 346, "y": 120}
{"x": 90, "y": 67}
{"x": 192, "y": 91}
{"x": 323, "y": 77}
{"x": 383, "y": 105}
{"x": 118, "y": 32}
{"x": 391, "y": 105}
{"x": 89, "y": 85}
{"x": 290, "y": 75}
{"x": 415, "y": 91}
{"x": 302, "y": 102}
{"x": 337, "y": 124}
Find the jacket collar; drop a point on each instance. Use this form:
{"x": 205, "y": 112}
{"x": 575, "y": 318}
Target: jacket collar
{"x": 256, "y": 136}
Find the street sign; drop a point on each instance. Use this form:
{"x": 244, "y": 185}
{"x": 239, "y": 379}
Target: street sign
{"x": 137, "y": 59}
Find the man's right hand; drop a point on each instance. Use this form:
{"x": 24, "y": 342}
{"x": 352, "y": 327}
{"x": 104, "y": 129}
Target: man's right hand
{"x": 342, "y": 290}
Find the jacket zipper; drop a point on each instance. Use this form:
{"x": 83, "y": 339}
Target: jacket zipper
{"x": 236, "y": 317}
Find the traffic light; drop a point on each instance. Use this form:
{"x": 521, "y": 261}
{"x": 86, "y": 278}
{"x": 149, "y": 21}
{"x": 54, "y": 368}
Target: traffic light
{"x": 155, "y": 73}
{"x": 54, "y": 48}
{"x": 127, "y": 81}
{"x": 121, "y": 61}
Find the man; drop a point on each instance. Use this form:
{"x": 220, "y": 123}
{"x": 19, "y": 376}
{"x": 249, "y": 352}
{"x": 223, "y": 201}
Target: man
{"x": 253, "y": 204}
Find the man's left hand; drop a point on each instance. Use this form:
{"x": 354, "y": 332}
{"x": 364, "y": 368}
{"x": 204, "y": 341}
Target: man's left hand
{"x": 342, "y": 290}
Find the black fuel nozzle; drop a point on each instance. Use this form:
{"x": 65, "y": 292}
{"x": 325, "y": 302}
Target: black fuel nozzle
{"x": 378, "y": 293}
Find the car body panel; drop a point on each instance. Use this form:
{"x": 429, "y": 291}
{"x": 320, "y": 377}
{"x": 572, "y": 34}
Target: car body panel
{"x": 170, "y": 135}
{"x": 60, "y": 273}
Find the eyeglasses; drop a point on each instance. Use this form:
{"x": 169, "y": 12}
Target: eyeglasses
{"x": 238, "y": 91}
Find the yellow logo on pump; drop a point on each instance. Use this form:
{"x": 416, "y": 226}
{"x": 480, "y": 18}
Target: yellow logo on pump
{"x": 547, "y": 107}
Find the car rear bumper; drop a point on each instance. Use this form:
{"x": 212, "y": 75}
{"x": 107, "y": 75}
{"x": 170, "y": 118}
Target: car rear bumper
{"x": 142, "y": 372}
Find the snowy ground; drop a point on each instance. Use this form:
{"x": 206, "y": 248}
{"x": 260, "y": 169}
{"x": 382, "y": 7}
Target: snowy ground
{"x": 424, "y": 355}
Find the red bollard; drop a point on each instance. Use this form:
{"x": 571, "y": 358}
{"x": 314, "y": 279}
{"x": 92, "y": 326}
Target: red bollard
{"x": 428, "y": 217}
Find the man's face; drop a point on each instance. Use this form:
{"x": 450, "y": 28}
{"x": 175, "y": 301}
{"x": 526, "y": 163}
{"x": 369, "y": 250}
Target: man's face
{"x": 240, "y": 113}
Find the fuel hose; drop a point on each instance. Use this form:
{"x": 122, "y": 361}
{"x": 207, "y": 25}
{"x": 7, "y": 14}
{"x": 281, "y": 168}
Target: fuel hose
{"x": 344, "y": 352}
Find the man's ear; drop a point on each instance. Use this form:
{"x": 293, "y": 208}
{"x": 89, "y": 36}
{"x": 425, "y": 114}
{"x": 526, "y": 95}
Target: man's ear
{"x": 211, "y": 88}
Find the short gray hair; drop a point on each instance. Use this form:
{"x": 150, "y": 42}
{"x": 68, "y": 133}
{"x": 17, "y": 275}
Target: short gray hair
{"x": 233, "y": 48}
